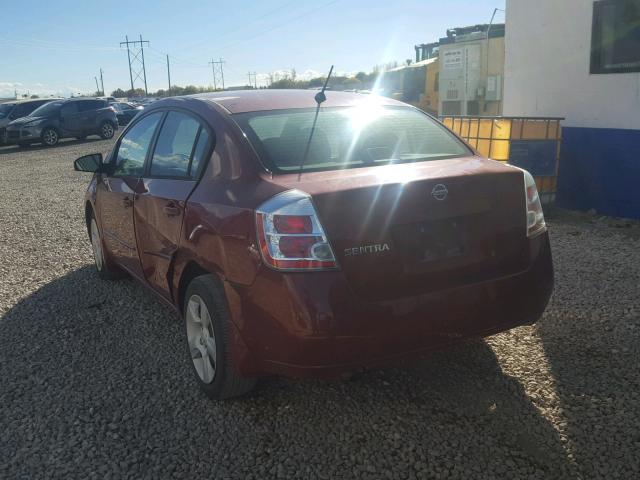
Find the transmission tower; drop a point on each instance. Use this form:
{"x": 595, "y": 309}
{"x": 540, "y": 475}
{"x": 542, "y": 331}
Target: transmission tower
{"x": 135, "y": 54}
{"x": 253, "y": 75}
{"x": 218, "y": 73}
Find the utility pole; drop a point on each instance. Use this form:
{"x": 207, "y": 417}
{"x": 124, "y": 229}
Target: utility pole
{"x": 102, "y": 82}
{"x": 169, "y": 75}
{"x": 218, "y": 72}
{"x": 97, "y": 87}
{"x": 137, "y": 69}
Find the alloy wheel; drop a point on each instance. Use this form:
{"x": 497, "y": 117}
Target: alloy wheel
{"x": 107, "y": 130}
{"x": 50, "y": 137}
{"x": 201, "y": 338}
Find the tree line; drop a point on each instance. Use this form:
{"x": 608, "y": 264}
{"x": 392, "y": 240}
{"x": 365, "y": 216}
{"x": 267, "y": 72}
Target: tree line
{"x": 359, "y": 81}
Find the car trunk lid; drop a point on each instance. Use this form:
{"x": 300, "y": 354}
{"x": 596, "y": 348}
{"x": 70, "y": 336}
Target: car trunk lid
{"x": 408, "y": 229}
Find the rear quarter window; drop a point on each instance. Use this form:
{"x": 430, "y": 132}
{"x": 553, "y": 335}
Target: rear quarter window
{"x": 178, "y": 150}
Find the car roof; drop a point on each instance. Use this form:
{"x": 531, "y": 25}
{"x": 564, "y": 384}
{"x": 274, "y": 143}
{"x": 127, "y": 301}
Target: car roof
{"x": 80, "y": 99}
{"x": 242, "y": 101}
{"x": 29, "y": 100}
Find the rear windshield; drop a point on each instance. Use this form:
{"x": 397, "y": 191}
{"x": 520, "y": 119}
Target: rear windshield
{"x": 347, "y": 137}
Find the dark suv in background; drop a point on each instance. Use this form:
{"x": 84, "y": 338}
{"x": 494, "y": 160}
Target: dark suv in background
{"x": 76, "y": 117}
{"x": 11, "y": 111}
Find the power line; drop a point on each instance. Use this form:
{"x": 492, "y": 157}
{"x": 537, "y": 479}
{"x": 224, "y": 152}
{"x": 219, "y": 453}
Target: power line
{"x": 244, "y": 25}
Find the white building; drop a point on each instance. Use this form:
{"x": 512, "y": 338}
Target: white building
{"x": 580, "y": 59}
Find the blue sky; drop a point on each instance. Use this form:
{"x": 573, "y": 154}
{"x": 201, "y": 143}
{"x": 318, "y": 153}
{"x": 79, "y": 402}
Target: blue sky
{"x": 58, "y": 47}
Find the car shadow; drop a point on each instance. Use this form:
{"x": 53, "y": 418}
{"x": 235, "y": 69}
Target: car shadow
{"x": 99, "y": 370}
{"x": 6, "y": 149}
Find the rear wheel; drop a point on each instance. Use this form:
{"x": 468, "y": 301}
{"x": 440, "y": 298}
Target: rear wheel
{"x": 209, "y": 341}
{"x": 101, "y": 259}
{"x": 106, "y": 130}
{"x": 50, "y": 137}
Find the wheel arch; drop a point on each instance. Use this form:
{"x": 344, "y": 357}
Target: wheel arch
{"x": 190, "y": 271}
{"x": 88, "y": 213}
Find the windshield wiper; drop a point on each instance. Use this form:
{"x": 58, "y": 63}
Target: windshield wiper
{"x": 320, "y": 97}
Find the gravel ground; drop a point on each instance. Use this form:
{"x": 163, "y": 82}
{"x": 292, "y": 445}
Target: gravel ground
{"x": 94, "y": 382}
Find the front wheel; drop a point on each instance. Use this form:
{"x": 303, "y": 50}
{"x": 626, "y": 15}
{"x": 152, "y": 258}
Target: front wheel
{"x": 106, "y": 130}
{"x": 209, "y": 341}
{"x": 103, "y": 265}
{"x": 50, "y": 137}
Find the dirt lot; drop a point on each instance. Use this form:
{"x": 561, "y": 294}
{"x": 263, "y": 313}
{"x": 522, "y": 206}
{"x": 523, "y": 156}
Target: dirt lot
{"x": 95, "y": 384}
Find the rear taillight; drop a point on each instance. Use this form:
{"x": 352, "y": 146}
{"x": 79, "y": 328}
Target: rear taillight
{"x": 290, "y": 234}
{"x": 535, "y": 216}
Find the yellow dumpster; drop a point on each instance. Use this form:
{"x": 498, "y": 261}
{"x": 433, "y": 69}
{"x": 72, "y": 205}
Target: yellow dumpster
{"x": 532, "y": 143}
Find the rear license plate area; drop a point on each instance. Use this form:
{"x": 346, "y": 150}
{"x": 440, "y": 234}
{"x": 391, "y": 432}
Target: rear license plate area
{"x": 433, "y": 241}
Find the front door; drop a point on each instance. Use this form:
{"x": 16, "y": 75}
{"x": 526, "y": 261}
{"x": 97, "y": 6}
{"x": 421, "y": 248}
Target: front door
{"x": 183, "y": 144}
{"x": 117, "y": 192}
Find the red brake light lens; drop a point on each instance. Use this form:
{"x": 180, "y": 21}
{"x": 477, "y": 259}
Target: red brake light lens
{"x": 292, "y": 224}
{"x": 290, "y": 234}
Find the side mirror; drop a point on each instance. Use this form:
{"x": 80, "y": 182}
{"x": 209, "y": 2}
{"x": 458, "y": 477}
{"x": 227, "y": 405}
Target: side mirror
{"x": 88, "y": 163}
{"x": 13, "y": 116}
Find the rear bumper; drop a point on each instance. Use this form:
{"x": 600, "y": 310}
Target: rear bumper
{"x": 312, "y": 324}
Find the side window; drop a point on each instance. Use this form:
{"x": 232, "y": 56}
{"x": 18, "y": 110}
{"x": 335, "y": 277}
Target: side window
{"x": 202, "y": 147}
{"x": 69, "y": 109}
{"x": 134, "y": 146}
{"x": 174, "y": 149}
{"x": 24, "y": 109}
{"x": 88, "y": 105}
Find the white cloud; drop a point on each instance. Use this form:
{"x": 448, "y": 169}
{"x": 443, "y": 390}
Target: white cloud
{"x": 9, "y": 89}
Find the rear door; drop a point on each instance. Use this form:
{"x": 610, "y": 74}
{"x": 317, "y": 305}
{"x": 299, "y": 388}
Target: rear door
{"x": 183, "y": 144}
{"x": 89, "y": 114}
{"x": 116, "y": 192}
{"x": 70, "y": 118}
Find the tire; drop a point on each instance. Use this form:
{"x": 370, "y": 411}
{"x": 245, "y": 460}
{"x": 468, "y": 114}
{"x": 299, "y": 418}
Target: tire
{"x": 104, "y": 266}
{"x": 50, "y": 137}
{"x": 107, "y": 130}
{"x": 209, "y": 341}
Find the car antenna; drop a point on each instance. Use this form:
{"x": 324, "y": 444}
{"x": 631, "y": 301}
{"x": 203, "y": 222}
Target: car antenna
{"x": 320, "y": 97}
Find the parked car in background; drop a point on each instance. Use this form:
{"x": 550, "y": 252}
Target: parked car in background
{"x": 126, "y": 111}
{"x": 12, "y": 110}
{"x": 75, "y": 117}
{"x": 307, "y": 239}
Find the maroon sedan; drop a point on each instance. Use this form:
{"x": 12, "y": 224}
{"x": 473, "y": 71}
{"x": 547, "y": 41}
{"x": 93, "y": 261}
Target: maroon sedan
{"x": 305, "y": 238}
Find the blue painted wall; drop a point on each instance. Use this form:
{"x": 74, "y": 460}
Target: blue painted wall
{"x": 600, "y": 169}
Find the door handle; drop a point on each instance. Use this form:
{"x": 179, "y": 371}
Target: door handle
{"x": 127, "y": 202}
{"x": 171, "y": 210}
